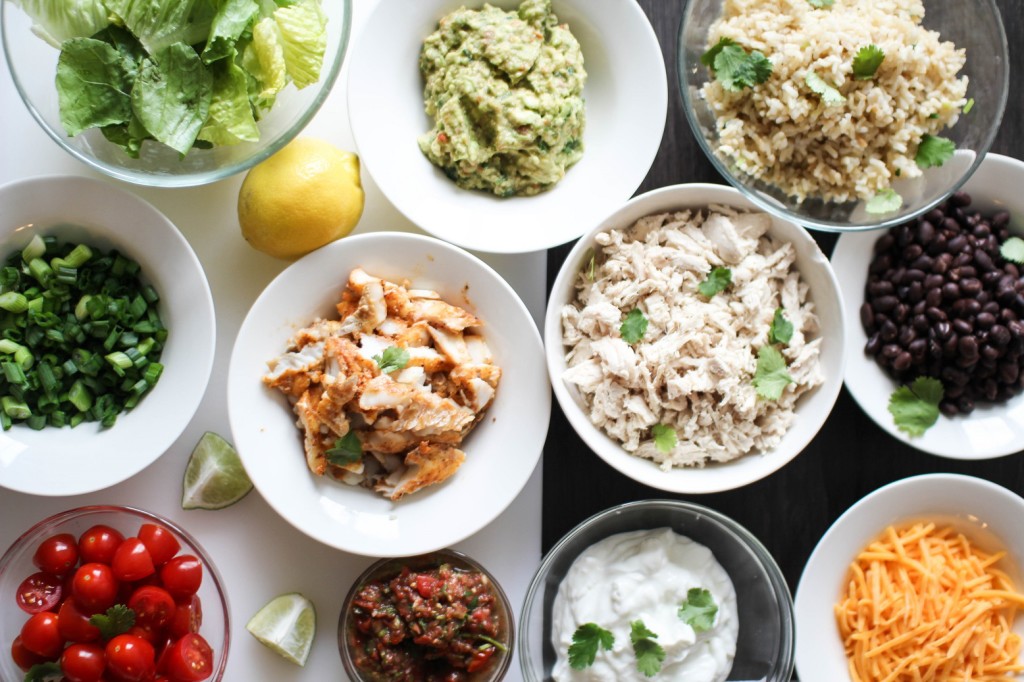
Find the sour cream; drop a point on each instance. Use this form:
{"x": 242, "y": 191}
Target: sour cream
{"x": 645, "y": 575}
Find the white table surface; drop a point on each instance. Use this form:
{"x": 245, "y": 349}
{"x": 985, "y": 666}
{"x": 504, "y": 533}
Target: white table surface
{"x": 258, "y": 553}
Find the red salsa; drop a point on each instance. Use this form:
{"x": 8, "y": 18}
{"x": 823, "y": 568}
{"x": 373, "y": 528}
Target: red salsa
{"x": 436, "y": 625}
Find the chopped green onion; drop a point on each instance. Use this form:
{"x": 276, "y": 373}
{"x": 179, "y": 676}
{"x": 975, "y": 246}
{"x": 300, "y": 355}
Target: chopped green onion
{"x": 15, "y": 409}
{"x": 36, "y": 249}
{"x": 14, "y": 373}
{"x": 13, "y": 302}
{"x": 78, "y": 256}
{"x": 40, "y": 270}
{"x": 79, "y": 396}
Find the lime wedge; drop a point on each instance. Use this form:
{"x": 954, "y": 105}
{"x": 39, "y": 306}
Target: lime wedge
{"x": 214, "y": 477}
{"x": 286, "y": 626}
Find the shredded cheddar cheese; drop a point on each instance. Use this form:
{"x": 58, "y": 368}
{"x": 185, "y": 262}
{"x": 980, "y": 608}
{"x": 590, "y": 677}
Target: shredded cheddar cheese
{"x": 924, "y": 605}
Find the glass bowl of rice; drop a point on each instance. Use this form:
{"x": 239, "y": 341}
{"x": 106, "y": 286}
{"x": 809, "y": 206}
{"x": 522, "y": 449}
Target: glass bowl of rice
{"x": 847, "y": 114}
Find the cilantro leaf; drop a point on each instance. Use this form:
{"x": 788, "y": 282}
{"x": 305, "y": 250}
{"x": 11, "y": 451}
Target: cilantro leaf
{"x": 698, "y": 610}
{"x": 44, "y": 672}
{"x": 771, "y": 375}
{"x": 391, "y": 359}
{"x": 867, "y": 61}
{"x": 885, "y": 201}
{"x": 118, "y": 620}
{"x": 649, "y": 654}
{"x": 665, "y": 437}
{"x": 591, "y": 259}
{"x": 347, "y": 450}
{"x": 781, "y": 330}
{"x": 708, "y": 58}
{"x": 934, "y": 151}
{"x": 1013, "y": 250}
{"x": 634, "y": 326}
{"x": 736, "y": 69}
{"x": 585, "y": 642}
{"x": 968, "y": 106}
{"x": 830, "y": 97}
{"x": 717, "y": 281}
{"x": 821, "y": 4}
{"x": 915, "y": 408}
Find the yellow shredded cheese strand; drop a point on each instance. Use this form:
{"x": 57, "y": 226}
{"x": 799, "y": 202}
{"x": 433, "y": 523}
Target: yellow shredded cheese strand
{"x": 922, "y": 604}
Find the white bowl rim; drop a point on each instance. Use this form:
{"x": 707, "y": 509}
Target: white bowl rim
{"x": 602, "y": 445}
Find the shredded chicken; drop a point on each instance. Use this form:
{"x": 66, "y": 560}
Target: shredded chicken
{"x": 392, "y": 426}
{"x": 693, "y": 369}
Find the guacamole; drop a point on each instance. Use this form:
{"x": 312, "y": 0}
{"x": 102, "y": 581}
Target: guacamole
{"x": 505, "y": 92}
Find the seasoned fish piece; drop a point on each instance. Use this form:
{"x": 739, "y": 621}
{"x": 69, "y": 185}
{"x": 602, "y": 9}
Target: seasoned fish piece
{"x": 293, "y": 372}
{"x": 426, "y": 464}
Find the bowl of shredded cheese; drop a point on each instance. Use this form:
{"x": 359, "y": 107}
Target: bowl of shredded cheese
{"x": 917, "y": 580}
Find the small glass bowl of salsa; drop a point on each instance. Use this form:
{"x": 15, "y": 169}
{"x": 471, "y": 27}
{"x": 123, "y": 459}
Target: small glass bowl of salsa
{"x": 438, "y": 617}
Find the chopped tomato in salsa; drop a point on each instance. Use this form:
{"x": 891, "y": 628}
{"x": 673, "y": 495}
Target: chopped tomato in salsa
{"x": 437, "y": 625}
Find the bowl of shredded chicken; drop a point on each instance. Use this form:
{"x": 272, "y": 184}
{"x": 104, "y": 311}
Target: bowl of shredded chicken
{"x": 694, "y": 342}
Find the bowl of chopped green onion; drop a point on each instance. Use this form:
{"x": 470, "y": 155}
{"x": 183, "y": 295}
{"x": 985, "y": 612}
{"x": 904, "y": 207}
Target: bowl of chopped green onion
{"x": 169, "y": 93}
{"x": 844, "y": 115}
{"x": 106, "y": 335}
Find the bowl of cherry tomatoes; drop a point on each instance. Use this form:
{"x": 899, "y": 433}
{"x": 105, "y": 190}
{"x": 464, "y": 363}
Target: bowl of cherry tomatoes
{"x": 111, "y": 594}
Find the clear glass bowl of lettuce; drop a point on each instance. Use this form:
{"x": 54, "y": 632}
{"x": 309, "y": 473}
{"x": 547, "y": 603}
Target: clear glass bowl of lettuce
{"x": 174, "y": 93}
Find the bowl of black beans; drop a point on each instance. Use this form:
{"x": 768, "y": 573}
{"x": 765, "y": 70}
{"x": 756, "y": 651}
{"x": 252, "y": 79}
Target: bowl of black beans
{"x": 937, "y": 306}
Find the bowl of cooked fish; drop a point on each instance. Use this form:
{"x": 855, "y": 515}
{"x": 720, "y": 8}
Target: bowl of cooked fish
{"x": 387, "y": 394}
{"x": 694, "y": 342}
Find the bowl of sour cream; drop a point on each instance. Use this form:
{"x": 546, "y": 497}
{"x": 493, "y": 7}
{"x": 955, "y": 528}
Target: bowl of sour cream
{"x": 657, "y": 589}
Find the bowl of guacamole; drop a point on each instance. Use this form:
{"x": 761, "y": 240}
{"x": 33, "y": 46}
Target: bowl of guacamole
{"x": 505, "y": 92}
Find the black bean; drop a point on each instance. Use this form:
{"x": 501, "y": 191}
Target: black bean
{"x": 950, "y": 291}
{"x": 963, "y": 327}
{"x": 902, "y": 362}
{"x": 867, "y": 317}
{"x": 999, "y": 335}
{"x": 881, "y": 288}
{"x": 968, "y": 347}
{"x": 970, "y": 287}
{"x": 918, "y": 348}
{"x": 985, "y": 320}
{"x": 906, "y": 336}
{"x": 888, "y": 331}
{"x": 925, "y": 232}
{"x": 965, "y": 405}
{"x": 885, "y": 242}
{"x": 948, "y": 408}
{"x": 951, "y": 226}
{"x": 983, "y": 261}
{"x": 874, "y": 345}
{"x": 1001, "y": 219}
{"x": 957, "y": 244}
{"x": 891, "y": 350}
{"x": 960, "y": 199}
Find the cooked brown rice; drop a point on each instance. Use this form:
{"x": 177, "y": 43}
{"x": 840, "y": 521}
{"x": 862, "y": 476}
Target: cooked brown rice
{"x": 782, "y": 133}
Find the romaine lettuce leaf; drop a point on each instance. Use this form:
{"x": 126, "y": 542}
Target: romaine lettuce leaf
{"x": 60, "y": 20}
{"x": 160, "y": 23}
{"x": 128, "y": 136}
{"x": 264, "y": 59}
{"x": 231, "y": 119}
{"x": 92, "y": 85}
{"x": 303, "y": 33}
{"x": 172, "y": 96}
{"x": 231, "y": 21}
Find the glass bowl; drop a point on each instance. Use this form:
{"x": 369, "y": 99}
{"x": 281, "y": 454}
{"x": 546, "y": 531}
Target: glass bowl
{"x": 974, "y": 26}
{"x": 385, "y": 569}
{"x": 33, "y": 64}
{"x": 764, "y": 650}
{"x": 16, "y": 565}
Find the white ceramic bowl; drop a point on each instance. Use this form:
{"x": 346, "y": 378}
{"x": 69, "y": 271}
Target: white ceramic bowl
{"x": 988, "y": 514}
{"x": 989, "y": 431}
{"x": 70, "y": 461}
{"x": 626, "y": 102}
{"x": 812, "y": 409}
{"x": 501, "y": 452}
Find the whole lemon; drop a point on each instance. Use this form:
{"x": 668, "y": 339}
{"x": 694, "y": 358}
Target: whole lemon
{"x": 306, "y": 195}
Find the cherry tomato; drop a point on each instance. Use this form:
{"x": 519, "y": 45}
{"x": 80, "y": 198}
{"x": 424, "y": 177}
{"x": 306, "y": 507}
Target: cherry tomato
{"x": 74, "y": 625}
{"x": 98, "y": 544}
{"x": 188, "y": 617}
{"x": 130, "y": 658}
{"x": 182, "y": 576}
{"x": 132, "y": 561}
{"x": 153, "y": 606}
{"x": 160, "y": 542}
{"x": 83, "y": 663}
{"x": 40, "y": 635}
{"x": 57, "y": 555}
{"x": 147, "y": 633}
{"x": 94, "y": 588}
{"x": 23, "y": 658}
{"x": 189, "y": 659}
{"x": 39, "y": 592}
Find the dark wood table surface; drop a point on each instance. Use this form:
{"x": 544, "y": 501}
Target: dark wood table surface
{"x": 790, "y": 510}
